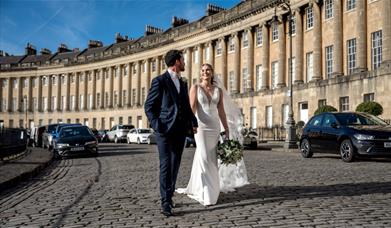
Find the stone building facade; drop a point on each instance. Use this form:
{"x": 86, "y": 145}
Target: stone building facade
{"x": 341, "y": 56}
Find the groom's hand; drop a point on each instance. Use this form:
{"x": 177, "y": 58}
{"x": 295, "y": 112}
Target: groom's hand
{"x": 194, "y": 130}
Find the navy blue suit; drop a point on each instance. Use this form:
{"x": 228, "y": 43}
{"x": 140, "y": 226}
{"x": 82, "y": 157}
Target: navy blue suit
{"x": 171, "y": 118}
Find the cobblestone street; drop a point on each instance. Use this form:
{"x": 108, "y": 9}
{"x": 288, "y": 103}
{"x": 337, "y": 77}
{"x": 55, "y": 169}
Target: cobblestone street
{"x": 120, "y": 189}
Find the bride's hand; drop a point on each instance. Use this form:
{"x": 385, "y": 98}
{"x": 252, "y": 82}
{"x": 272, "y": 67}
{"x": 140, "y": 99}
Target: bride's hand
{"x": 227, "y": 134}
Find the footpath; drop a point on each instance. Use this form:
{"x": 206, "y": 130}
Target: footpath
{"x": 24, "y": 167}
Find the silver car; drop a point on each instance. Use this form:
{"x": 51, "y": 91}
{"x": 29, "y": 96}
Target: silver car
{"x": 118, "y": 132}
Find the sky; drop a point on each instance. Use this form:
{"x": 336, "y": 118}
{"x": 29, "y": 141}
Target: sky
{"x": 48, "y": 23}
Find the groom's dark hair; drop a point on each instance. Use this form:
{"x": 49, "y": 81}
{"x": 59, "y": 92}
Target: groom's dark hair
{"x": 172, "y": 56}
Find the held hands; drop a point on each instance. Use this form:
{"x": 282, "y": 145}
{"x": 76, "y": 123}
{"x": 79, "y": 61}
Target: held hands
{"x": 194, "y": 130}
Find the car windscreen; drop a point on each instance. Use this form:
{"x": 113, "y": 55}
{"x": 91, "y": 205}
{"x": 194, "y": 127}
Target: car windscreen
{"x": 74, "y": 131}
{"x": 358, "y": 119}
{"x": 143, "y": 131}
{"x": 127, "y": 127}
{"x": 52, "y": 128}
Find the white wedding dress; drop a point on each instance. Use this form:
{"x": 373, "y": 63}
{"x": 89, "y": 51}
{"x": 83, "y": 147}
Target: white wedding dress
{"x": 208, "y": 177}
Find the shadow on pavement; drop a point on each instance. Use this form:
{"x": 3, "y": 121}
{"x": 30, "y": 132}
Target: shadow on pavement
{"x": 271, "y": 194}
{"x": 120, "y": 153}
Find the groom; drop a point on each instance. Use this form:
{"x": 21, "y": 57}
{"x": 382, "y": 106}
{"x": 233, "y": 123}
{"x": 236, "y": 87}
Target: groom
{"x": 168, "y": 110}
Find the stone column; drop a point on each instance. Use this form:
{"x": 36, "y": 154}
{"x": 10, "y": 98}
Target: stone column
{"x": 111, "y": 87}
{"x": 223, "y": 44}
{"x": 317, "y": 31}
{"x": 102, "y": 88}
{"x": 39, "y": 99}
{"x": 30, "y": 95}
{"x": 386, "y": 32}
{"x": 299, "y": 47}
{"x": 200, "y": 55}
{"x": 338, "y": 39}
{"x": 20, "y": 95}
{"x": 362, "y": 35}
{"x": 85, "y": 96}
{"x": 237, "y": 60}
{"x": 281, "y": 53}
{"x": 148, "y": 78}
{"x": 120, "y": 76}
{"x": 9, "y": 105}
{"x": 188, "y": 64}
{"x": 59, "y": 106}
{"x": 211, "y": 53}
{"x": 129, "y": 85}
{"x": 265, "y": 56}
{"x": 77, "y": 98}
{"x": 250, "y": 58}
{"x": 49, "y": 94}
{"x": 68, "y": 92}
{"x": 138, "y": 86}
{"x": 93, "y": 72}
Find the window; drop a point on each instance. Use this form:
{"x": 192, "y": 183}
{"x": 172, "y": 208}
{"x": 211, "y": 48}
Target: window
{"x": 195, "y": 56}
{"x": 25, "y": 83}
{"x": 72, "y": 79}
{"x": 232, "y": 82}
{"x": 293, "y": 25}
{"x": 253, "y": 117}
{"x": 275, "y": 32}
{"x": 154, "y": 65}
{"x": 350, "y": 4}
{"x": 115, "y": 98}
{"x": 343, "y": 104}
{"x": 310, "y": 69}
{"x": 53, "y": 104}
{"x": 120, "y": 120}
{"x": 258, "y": 69}
{"x": 106, "y": 99}
{"x": 33, "y": 82}
{"x": 269, "y": 116}
{"x": 123, "y": 97}
{"x": 218, "y": 48}
{"x": 15, "y": 83}
{"x": 81, "y": 78}
{"x": 143, "y": 95}
{"x": 274, "y": 74}
{"x": 316, "y": 121}
{"x": 231, "y": 45}
{"x": 5, "y": 83}
{"x": 35, "y": 103}
{"x": 328, "y": 9}
{"x": 259, "y": 36}
{"x": 246, "y": 83}
{"x": 328, "y": 120}
{"x": 62, "y": 79}
{"x": 129, "y": 120}
{"x": 81, "y": 102}
{"x": 63, "y": 102}
{"x": 292, "y": 68}
{"x": 90, "y": 101}
{"x": 310, "y": 18}
{"x": 245, "y": 39}
{"x": 133, "y": 96}
{"x": 4, "y": 105}
{"x": 321, "y": 103}
{"x": 376, "y": 50}
{"x": 73, "y": 102}
{"x": 329, "y": 61}
{"x": 45, "y": 103}
{"x": 351, "y": 46}
{"x": 126, "y": 70}
{"x": 369, "y": 97}
{"x": 207, "y": 53}
{"x": 98, "y": 100}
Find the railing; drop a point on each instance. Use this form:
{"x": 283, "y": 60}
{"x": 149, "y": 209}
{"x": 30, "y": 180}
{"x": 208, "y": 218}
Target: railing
{"x": 274, "y": 133}
{"x": 13, "y": 141}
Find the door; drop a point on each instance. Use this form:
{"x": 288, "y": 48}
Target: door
{"x": 328, "y": 134}
{"x": 303, "y": 109}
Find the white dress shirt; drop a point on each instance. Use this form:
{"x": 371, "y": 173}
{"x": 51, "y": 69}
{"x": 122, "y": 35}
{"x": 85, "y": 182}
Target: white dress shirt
{"x": 175, "y": 78}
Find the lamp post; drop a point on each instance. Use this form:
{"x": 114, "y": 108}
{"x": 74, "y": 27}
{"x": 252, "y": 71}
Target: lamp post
{"x": 290, "y": 141}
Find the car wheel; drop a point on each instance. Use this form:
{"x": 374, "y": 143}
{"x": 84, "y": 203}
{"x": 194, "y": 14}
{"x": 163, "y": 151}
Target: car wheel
{"x": 346, "y": 150}
{"x": 115, "y": 139}
{"x": 138, "y": 141}
{"x": 305, "y": 149}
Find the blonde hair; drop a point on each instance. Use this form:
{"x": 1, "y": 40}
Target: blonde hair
{"x": 211, "y": 67}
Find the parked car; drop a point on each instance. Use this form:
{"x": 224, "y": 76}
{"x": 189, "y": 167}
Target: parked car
{"x": 60, "y": 126}
{"x": 47, "y": 136}
{"x": 36, "y": 136}
{"x": 138, "y": 135}
{"x": 151, "y": 138}
{"x": 75, "y": 140}
{"x": 102, "y": 136}
{"x": 96, "y": 134}
{"x": 118, "y": 132}
{"x": 190, "y": 141}
{"x": 350, "y": 134}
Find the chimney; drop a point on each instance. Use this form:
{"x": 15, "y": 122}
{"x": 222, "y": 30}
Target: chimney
{"x": 149, "y": 30}
{"x": 119, "y": 38}
{"x": 176, "y": 21}
{"x": 63, "y": 48}
{"x": 95, "y": 44}
{"x": 213, "y": 9}
{"x": 30, "y": 49}
{"x": 45, "y": 51}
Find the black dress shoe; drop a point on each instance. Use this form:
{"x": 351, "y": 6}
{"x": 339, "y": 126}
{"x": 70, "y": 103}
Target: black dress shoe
{"x": 166, "y": 210}
{"x": 167, "y": 213}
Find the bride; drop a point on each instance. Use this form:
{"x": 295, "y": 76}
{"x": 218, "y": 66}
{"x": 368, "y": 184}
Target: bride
{"x": 213, "y": 108}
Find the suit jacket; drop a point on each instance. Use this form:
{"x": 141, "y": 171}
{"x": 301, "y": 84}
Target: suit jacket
{"x": 161, "y": 105}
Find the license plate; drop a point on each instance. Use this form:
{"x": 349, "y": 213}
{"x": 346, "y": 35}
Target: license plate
{"x": 77, "y": 148}
{"x": 387, "y": 144}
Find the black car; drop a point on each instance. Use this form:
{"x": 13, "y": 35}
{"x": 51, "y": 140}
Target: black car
{"x": 350, "y": 134}
{"x": 74, "y": 140}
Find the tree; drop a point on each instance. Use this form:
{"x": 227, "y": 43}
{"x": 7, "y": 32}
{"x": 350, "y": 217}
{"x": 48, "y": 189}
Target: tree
{"x": 370, "y": 107}
{"x": 325, "y": 108}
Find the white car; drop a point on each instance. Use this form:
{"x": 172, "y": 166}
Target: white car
{"x": 138, "y": 135}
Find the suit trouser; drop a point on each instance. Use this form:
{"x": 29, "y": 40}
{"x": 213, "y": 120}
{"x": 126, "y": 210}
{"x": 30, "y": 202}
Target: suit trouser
{"x": 170, "y": 153}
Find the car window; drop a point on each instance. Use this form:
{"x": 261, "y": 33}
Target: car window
{"x": 328, "y": 120}
{"x": 143, "y": 131}
{"x": 126, "y": 127}
{"x": 69, "y": 132}
{"x": 315, "y": 121}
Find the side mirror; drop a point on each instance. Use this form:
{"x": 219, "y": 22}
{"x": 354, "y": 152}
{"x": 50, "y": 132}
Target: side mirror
{"x": 334, "y": 125}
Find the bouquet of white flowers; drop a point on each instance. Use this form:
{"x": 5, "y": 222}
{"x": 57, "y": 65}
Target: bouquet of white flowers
{"x": 230, "y": 151}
